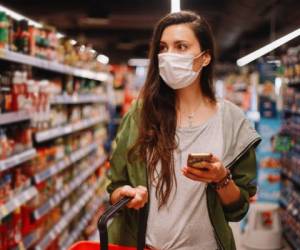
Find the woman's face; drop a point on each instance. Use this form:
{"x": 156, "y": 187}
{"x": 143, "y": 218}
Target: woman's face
{"x": 181, "y": 39}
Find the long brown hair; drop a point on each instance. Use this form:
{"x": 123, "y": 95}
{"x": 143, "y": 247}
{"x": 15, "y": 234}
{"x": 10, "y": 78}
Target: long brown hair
{"x": 157, "y": 118}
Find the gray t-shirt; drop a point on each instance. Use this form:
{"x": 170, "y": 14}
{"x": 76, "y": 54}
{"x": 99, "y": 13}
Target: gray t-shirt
{"x": 184, "y": 224}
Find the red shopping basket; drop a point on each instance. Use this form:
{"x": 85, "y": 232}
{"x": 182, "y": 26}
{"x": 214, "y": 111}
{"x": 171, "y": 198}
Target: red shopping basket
{"x": 102, "y": 227}
{"x": 89, "y": 245}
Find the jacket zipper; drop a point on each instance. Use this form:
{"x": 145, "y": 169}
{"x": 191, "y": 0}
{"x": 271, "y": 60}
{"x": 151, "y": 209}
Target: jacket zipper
{"x": 228, "y": 166}
{"x": 242, "y": 153}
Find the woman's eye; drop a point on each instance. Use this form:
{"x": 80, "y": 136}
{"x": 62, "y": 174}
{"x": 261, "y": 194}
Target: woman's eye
{"x": 162, "y": 48}
{"x": 182, "y": 47}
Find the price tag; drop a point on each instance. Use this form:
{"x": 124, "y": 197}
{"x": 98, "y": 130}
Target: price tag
{"x": 52, "y": 234}
{"x": 2, "y": 166}
{"x": 27, "y": 195}
{"x": 3, "y": 211}
{"x": 16, "y": 202}
{"x": 11, "y": 162}
{"x": 2, "y": 53}
{"x": 21, "y": 246}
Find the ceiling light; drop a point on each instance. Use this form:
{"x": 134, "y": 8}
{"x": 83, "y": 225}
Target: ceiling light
{"x": 267, "y": 48}
{"x": 175, "y": 6}
{"x": 19, "y": 17}
{"x": 103, "y": 59}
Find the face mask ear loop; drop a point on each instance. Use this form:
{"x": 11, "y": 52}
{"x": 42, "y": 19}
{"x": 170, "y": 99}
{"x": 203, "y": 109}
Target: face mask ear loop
{"x": 200, "y": 54}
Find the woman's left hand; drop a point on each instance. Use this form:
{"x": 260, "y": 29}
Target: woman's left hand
{"x": 210, "y": 172}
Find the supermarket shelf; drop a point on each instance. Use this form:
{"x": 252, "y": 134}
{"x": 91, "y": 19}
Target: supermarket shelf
{"x": 294, "y": 84}
{"x": 292, "y": 177}
{"x": 283, "y": 202}
{"x": 17, "y": 159}
{"x": 68, "y": 129}
{"x": 290, "y": 240}
{"x": 78, "y": 99}
{"x": 17, "y": 201}
{"x": 64, "y": 163}
{"x": 288, "y": 111}
{"x": 27, "y": 242}
{"x": 82, "y": 224}
{"x": 67, "y": 190}
{"x": 51, "y": 65}
{"x": 68, "y": 217}
{"x": 13, "y": 117}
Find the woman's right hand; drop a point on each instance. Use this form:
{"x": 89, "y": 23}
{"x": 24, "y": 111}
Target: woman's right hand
{"x": 139, "y": 196}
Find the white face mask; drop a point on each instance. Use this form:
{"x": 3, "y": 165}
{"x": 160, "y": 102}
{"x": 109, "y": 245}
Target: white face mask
{"x": 177, "y": 69}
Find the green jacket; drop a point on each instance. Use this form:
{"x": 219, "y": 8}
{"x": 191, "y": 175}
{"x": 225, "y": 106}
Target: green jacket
{"x": 123, "y": 229}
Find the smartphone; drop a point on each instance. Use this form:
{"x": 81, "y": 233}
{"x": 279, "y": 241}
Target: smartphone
{"x": 195, "y": 159}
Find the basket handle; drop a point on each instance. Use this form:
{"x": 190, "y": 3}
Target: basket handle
{"x": 108, "y": 214}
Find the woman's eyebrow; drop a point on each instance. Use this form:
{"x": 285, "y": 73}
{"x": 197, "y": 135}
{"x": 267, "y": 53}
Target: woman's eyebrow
{"x": 176, "y": 41}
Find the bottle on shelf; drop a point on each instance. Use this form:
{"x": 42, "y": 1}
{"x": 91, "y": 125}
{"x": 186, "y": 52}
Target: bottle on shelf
{"x": 4, "y": 25}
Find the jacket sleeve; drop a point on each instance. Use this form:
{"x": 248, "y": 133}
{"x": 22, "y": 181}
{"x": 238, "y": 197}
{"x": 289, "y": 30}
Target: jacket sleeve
{"x": 244, "y": 173}
{"x": 118, "y": 172}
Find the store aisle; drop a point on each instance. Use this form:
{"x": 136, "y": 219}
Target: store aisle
{"x": 239, "y": 239}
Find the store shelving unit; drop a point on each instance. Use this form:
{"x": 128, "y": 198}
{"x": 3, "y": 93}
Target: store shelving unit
{"x": 67, "y": 190}
{"x": 27, "y": 242}
{"x": 83, "y": 223}
{"x": 78, "y": 99}
{"x": 45, "y": 138}
{"x": 17, "y": 201}
{"x": 14, "y": 117}
{"x": 290, "y": 194}
{"x": 67, "y": 217}
{"x": 17, "y": 159}
{"x": 64, "y": 163}
{"x": 51, "y": 65}
{"x": 67, "y": 129}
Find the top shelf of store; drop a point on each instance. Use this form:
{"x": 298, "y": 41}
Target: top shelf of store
{"x": 52, "y": 66}
{"x": 14, "y": 117}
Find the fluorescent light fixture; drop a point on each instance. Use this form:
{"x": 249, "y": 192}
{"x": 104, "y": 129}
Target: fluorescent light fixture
{"x": 102, "y": 59}
{"x": 175, "y": 6}
{"x": 138, "y": 62}
{"x": 73, "y": 42}
{"x": 19, "y": 17}
{"x": 267, "y": 48}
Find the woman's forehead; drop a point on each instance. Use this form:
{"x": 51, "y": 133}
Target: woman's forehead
{"x": 178, "y": 32}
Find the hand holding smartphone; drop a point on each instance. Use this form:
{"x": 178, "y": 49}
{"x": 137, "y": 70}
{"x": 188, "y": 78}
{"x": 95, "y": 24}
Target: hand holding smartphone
{"x": 196, "y": 160}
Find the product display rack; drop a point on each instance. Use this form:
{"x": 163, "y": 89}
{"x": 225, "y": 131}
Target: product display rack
{"x": 50, "y": 65}
{"x": 68, "y": 129}
{"x": 70, "y": 187}
{"x": 77, "y": 99}
{"x": 64, "y": 163}
{"x": 14, "y": 117}
{"x": 58, "y": 228}
{"x": 289, "y": 145}
{"x": 64, "y": 166}
{"x": 17, "y": 159}
{"x": 17, "y": 201}
{"x": 82, "y": 224}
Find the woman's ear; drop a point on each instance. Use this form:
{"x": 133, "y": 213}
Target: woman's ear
{"x": 206, "y": 59}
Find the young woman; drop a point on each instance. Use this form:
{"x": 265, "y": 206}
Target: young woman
{"x": 177, "y": 114}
